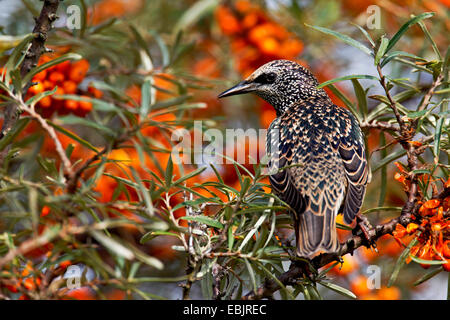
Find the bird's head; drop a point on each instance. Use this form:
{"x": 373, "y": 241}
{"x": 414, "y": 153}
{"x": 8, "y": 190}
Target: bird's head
{"x": 280, "y": 83}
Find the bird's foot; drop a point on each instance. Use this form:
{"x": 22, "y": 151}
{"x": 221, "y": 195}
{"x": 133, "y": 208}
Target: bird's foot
{"x": 363, "y": 229}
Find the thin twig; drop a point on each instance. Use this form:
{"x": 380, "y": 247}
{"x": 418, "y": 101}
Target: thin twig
{"x": 41, "y": 30}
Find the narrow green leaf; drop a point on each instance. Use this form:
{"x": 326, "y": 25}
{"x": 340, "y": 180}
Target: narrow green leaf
{"x": 345, "y": 100}
{"x": 113, "y": 245}
{"x": 251, "y": 273}
{"x": 169, "y": 172}
{"x": 72, "y": 119}
{"x": 405, "y": 27}
{"x": 14, "y": 132}
{"x": 343, "y": 38}
{"x": 194, "y": 13}
{"x": 252, "y": 231}
{"x": 361, "y": 97}
{"x": 350, "y": 77}
{"x": 190, "y": 175}
{"x": 386, "y": 160}
{"x": 145, "y": 99}
{"x": 342, "y": 291}
{"x": 381, "y": 50}
{"x": 383, "y": 173}
{"x": 430, "y": 262}
{"x": 395, "y": 54}
{"x": 36, "y": 98}
{"x": 230, "y": 238}
{"x": 384, "y": 209}
{"x": 400, "y": 262}
{"x": 437, "y": 137}
{"x": 16, "y": 57}
{"x": 427, "y": 276}
{"x": 365, "y": 33}
{"x": 73, "y": 136}
{"x": 152, "y": 234}
{"x": 205, "y": 220}
{"x": 51, "y": 63}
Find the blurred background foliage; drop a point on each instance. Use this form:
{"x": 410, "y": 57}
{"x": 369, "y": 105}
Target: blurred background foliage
{"x": 150, "y": 67}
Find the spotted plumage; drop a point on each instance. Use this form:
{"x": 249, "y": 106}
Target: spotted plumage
{"x": 316, "y": 152}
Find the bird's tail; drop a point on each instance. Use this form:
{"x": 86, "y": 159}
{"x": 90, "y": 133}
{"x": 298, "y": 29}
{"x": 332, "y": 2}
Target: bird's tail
{"x": 316, "y": 233}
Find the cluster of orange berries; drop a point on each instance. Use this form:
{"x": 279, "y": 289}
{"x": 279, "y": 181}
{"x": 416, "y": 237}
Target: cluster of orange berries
{"x": 66, "y": 76}
{"x": 255, "y": 38}
{"x": 432, "y": 233}
{"x": 432, "y": 229}
{"x": 30, "y": 280}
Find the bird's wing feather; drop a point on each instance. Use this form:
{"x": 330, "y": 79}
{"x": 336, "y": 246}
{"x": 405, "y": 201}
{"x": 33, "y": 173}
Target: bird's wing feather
{"x": 350, "y": 146}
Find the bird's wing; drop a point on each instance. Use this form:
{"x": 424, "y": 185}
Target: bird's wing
{"x": 313, "y": 181}
{"x": 349, "y": 143}
{"x": 279, "y": 149}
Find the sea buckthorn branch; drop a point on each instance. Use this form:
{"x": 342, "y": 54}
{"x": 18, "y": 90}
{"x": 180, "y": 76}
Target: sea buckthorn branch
{"x": 380, "y": 125}
{"x": 300, "y": 269}
{"x": 41, "y": 29}
{"x": 407, "y": 132}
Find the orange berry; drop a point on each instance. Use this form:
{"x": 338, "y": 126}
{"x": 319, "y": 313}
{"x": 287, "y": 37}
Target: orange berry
{"x": 11, "y": 288}
{"x": 37, "y": 88}
{"x": 95, "y": 92}
{"x": 65, "y": 264}
{"x": 71, "y": 105}
{"x": 228, "y": 23}
{"x": 86, "y": 106}
{"x": 40, "y": 76}
{"x": 350, "y": 263}
{"x": 69, "y": 86}
{"x": 392, "y": 293}
{"x": 431, "y": 204}
{"x": 359, "y": 286}
{"x": 45, "y": 102}
{"x": 63, "y": 67}
{"x": 399, "y": 177}
{"x": 56, "y": 77}
{"x": 269, "y": 46}
{"x": 48, "y": 85}
{"x": 79, "y": 70}
{"x": 45, "y": 211}
{"x": 59, "y": 92}
{"x": 412, "y": 227}
{"x": 83, "y": 293}
{"x": 30, "y": 283}
{"x": 399, "y": 232}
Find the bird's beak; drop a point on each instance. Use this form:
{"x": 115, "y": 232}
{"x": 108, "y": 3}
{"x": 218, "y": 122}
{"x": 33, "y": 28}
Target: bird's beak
{"x": 242, "y": 87}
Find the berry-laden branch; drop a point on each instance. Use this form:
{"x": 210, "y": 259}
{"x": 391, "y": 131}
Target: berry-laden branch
{"x": 409, "y": 212}
{"x": 41, "y": 29}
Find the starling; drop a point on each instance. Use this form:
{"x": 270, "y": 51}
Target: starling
{"x": 319, "y": 151}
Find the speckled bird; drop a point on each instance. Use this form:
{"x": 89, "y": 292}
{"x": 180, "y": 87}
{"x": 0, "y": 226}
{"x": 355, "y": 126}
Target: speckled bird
{"x": 318, "y": 150}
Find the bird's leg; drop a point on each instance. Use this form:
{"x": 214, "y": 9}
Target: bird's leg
{"x": 363, "y": 225}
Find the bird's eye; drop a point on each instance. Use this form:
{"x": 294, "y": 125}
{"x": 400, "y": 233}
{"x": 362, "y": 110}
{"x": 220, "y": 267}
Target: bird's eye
{"x": 266, "y": 78}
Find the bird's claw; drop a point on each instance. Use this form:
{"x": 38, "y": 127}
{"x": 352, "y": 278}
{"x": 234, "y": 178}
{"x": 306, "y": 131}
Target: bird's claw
{"x": 363, "y": 228}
